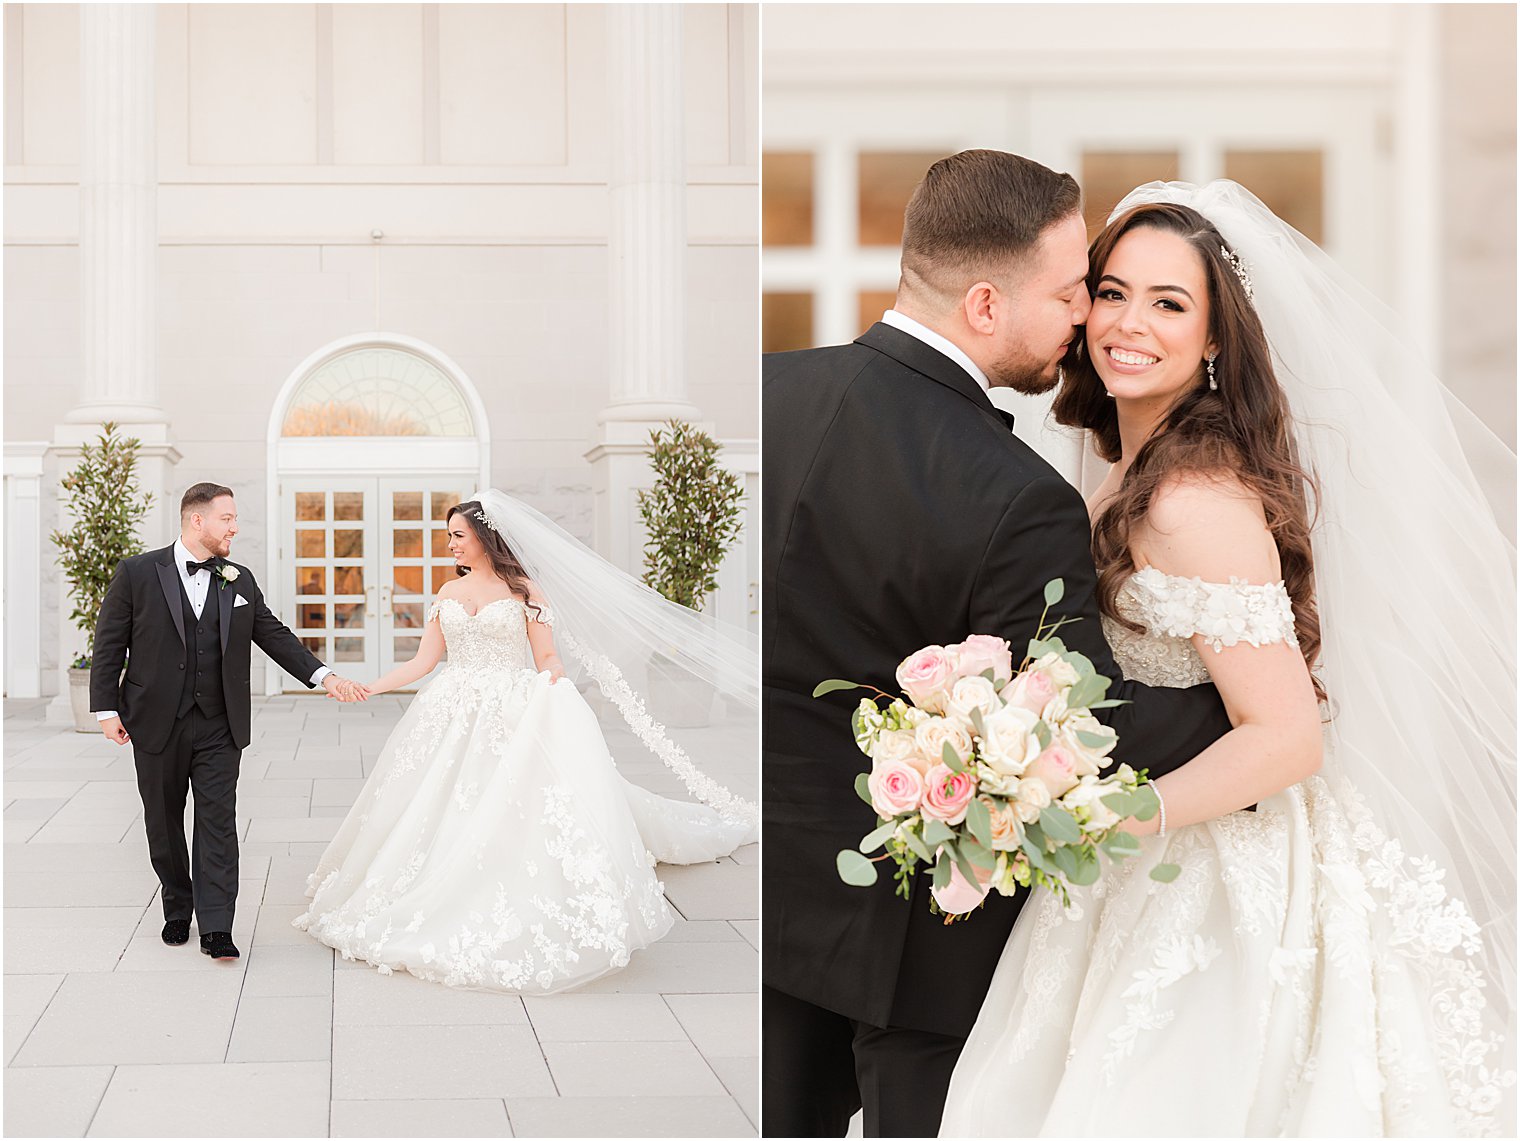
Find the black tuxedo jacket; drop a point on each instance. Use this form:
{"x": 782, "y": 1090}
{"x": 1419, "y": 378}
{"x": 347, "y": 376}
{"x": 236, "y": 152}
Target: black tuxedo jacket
{"x": 900, "y": 512}
{"x": 142, "y": 624}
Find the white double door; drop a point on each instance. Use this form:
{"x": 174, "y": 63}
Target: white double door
{"x": 361, "y": 558}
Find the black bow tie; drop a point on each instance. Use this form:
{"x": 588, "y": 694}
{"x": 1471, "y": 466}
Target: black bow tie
{"x": 209, "y": 564}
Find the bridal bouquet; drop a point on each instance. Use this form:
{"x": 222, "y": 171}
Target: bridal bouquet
{"x": 991, "y": 776}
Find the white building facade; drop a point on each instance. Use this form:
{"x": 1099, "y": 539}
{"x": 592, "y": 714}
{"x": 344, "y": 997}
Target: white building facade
{"x": 1384, "y": 132}
{"x": 355, "y": 260}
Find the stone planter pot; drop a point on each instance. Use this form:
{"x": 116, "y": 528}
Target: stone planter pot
{"x": 79, "y": 700}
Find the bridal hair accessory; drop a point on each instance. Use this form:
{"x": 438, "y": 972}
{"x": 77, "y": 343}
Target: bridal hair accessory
{"x": 634, "y": 644}
{"x": 486, "y": 519}
{"x": 1213, "y": 381}
{"x": 1240, "y": 271}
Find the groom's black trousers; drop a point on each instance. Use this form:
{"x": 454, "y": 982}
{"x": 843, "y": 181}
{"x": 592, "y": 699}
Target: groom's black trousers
{"x": 820, "y": 1067}
{"x": 201, "y": 755}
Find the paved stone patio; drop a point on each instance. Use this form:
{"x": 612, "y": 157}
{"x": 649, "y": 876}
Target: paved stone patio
{"x": 110, "y": 1033}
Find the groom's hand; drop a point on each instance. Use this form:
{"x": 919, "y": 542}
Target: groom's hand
{"x": 342, "y": 689}
{"x": 115, "y": 730}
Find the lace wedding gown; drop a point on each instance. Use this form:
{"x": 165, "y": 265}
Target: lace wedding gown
{"x": 495, "y": 845}
{"x": 1301, "y": 976}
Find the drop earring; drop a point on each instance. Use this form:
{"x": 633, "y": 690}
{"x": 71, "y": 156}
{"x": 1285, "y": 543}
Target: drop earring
{"x": 1213, "y": 382}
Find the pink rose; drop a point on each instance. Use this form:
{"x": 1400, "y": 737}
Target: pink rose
{"x": 1055, "y": 768}
{"x": 896, "y": 788}
{"x": 958, "y": 897}
{"x": 925, "y": 677}
{"x": 1031, "y": 690}
{"x": 946, "y": 794}
{"x": 984, "y": 652}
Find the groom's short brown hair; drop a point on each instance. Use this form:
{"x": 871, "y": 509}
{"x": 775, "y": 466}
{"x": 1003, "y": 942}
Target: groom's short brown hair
{"x": 199, "y": 496}
{"x": 977, "y": 212}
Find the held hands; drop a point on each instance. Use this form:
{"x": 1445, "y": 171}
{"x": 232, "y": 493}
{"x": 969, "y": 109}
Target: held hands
{"x": 345, "y": 689}
{"x": 114, "y": 730}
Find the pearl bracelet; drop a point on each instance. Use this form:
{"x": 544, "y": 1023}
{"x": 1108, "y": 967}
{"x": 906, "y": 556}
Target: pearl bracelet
{"x": 1161, "y": 802}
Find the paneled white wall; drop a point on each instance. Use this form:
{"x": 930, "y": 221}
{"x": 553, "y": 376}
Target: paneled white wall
{"x": 473, "y": 136}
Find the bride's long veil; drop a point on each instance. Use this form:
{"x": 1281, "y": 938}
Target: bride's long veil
{"x": 616, "y": 631}
{"x": 1415, "y": 581}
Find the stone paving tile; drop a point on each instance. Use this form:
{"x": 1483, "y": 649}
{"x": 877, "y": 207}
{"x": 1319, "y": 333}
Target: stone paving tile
{"x": 720, "y": 890}
{"x": 628, "y": 1117}
{"x": 719, "y": 1025}
{"x": 479, "y": 1117}
{"x": 244, "y": 1099}
{"x": 124, "y": 1017}
{"x": 368, "y": 998}
{"x": 741, "y": 1076}
{"x": 614, "y": 1069}
{"x": 438, "y": 1062}
{"x": 62, "y": 950}
{"x": 293, "y": 829}
{"x": 101, "y": 1045}
{"x": 282, "y": 1029}
{"x": 81, "y": 889}
{"x": 749, "y": 929}
{"x": 603, "y": 1018}
{"x": 26, "y": 997}
{"x": 289, "y": 972}
{"x": 683, "y": 968}
{"x": 58, "y": 1101}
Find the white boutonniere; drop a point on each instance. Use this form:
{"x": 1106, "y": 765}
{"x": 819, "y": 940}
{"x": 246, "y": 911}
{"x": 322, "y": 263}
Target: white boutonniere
{"x": 226, "y": 572}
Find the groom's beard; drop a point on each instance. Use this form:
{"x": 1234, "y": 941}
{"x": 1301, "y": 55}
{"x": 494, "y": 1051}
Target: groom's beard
{"x": 1023, "y": 373}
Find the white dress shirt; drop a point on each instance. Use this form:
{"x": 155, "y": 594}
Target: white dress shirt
{"x": 196, "y": 586}
{"x": 929, "y": 337}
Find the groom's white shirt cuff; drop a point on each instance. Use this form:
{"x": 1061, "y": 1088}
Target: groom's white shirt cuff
{"x": 935, "y": 341}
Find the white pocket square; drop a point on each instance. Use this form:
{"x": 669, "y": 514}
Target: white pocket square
{"x": 239, "y": 601}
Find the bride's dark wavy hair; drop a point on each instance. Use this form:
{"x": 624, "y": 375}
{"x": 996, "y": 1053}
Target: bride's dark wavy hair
{"x": 504, "y": 561}
{"x": 1243, "y": 430}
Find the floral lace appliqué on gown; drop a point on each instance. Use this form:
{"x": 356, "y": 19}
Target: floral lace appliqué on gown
{"x": 1302, "y": 976}
{"x": 495, "y": 845}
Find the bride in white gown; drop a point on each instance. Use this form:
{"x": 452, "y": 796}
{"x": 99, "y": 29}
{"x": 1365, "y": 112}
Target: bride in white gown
{"x": 495, "y": 845}
{"x": 1339, "y": 960}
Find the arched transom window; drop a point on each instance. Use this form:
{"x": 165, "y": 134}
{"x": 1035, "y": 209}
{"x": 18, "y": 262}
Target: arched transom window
{"x": 378, "y": 392}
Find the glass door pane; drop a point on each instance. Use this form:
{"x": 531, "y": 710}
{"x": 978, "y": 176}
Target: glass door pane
{"x": 415, "y": 560}
{"x": 328, "y": 560}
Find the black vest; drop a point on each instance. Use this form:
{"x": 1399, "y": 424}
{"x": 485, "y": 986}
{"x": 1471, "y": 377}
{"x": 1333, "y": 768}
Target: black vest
{"x": 203, "y": 655}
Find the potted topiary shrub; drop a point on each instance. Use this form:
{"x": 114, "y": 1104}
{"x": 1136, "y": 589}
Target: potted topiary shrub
{"x": 108, "y": 510}
{"x": 691, "y": 520}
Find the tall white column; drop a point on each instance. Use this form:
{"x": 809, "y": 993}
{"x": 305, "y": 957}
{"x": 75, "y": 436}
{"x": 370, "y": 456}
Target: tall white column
{"x": 118, "y": 215}
{"x": 646, "y": 248}
{"x": 118, "y": 253}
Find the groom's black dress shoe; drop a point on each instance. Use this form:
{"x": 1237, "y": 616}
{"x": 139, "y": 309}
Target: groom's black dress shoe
{"x": 177, "y": 932}
{"x": 219, "y": 945}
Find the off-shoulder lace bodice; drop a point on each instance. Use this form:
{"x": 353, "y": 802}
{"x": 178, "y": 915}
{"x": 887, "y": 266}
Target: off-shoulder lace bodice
{"x": 1174, "y": 609}
{"x": 495, "y": 637}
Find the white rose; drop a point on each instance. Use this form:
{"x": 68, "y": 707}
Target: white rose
{"x": 1089, "y": 760}
{"x": 1007, "y": 743}
{"x": 973, "y": 693}
{"x": 899, "y": 745}
{"x": 1060, "y": 671}
{"x": 1089, "y": 795}
{"x": 1031, "y": 796}
{"x": 229, "y": 572}
{"x": 935, "y": 732}
{"x": 989, "y": 780}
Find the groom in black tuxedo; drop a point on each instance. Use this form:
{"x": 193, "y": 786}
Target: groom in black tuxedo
{"x": 181, "y": 620}
{"x": 901, "y": 511}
